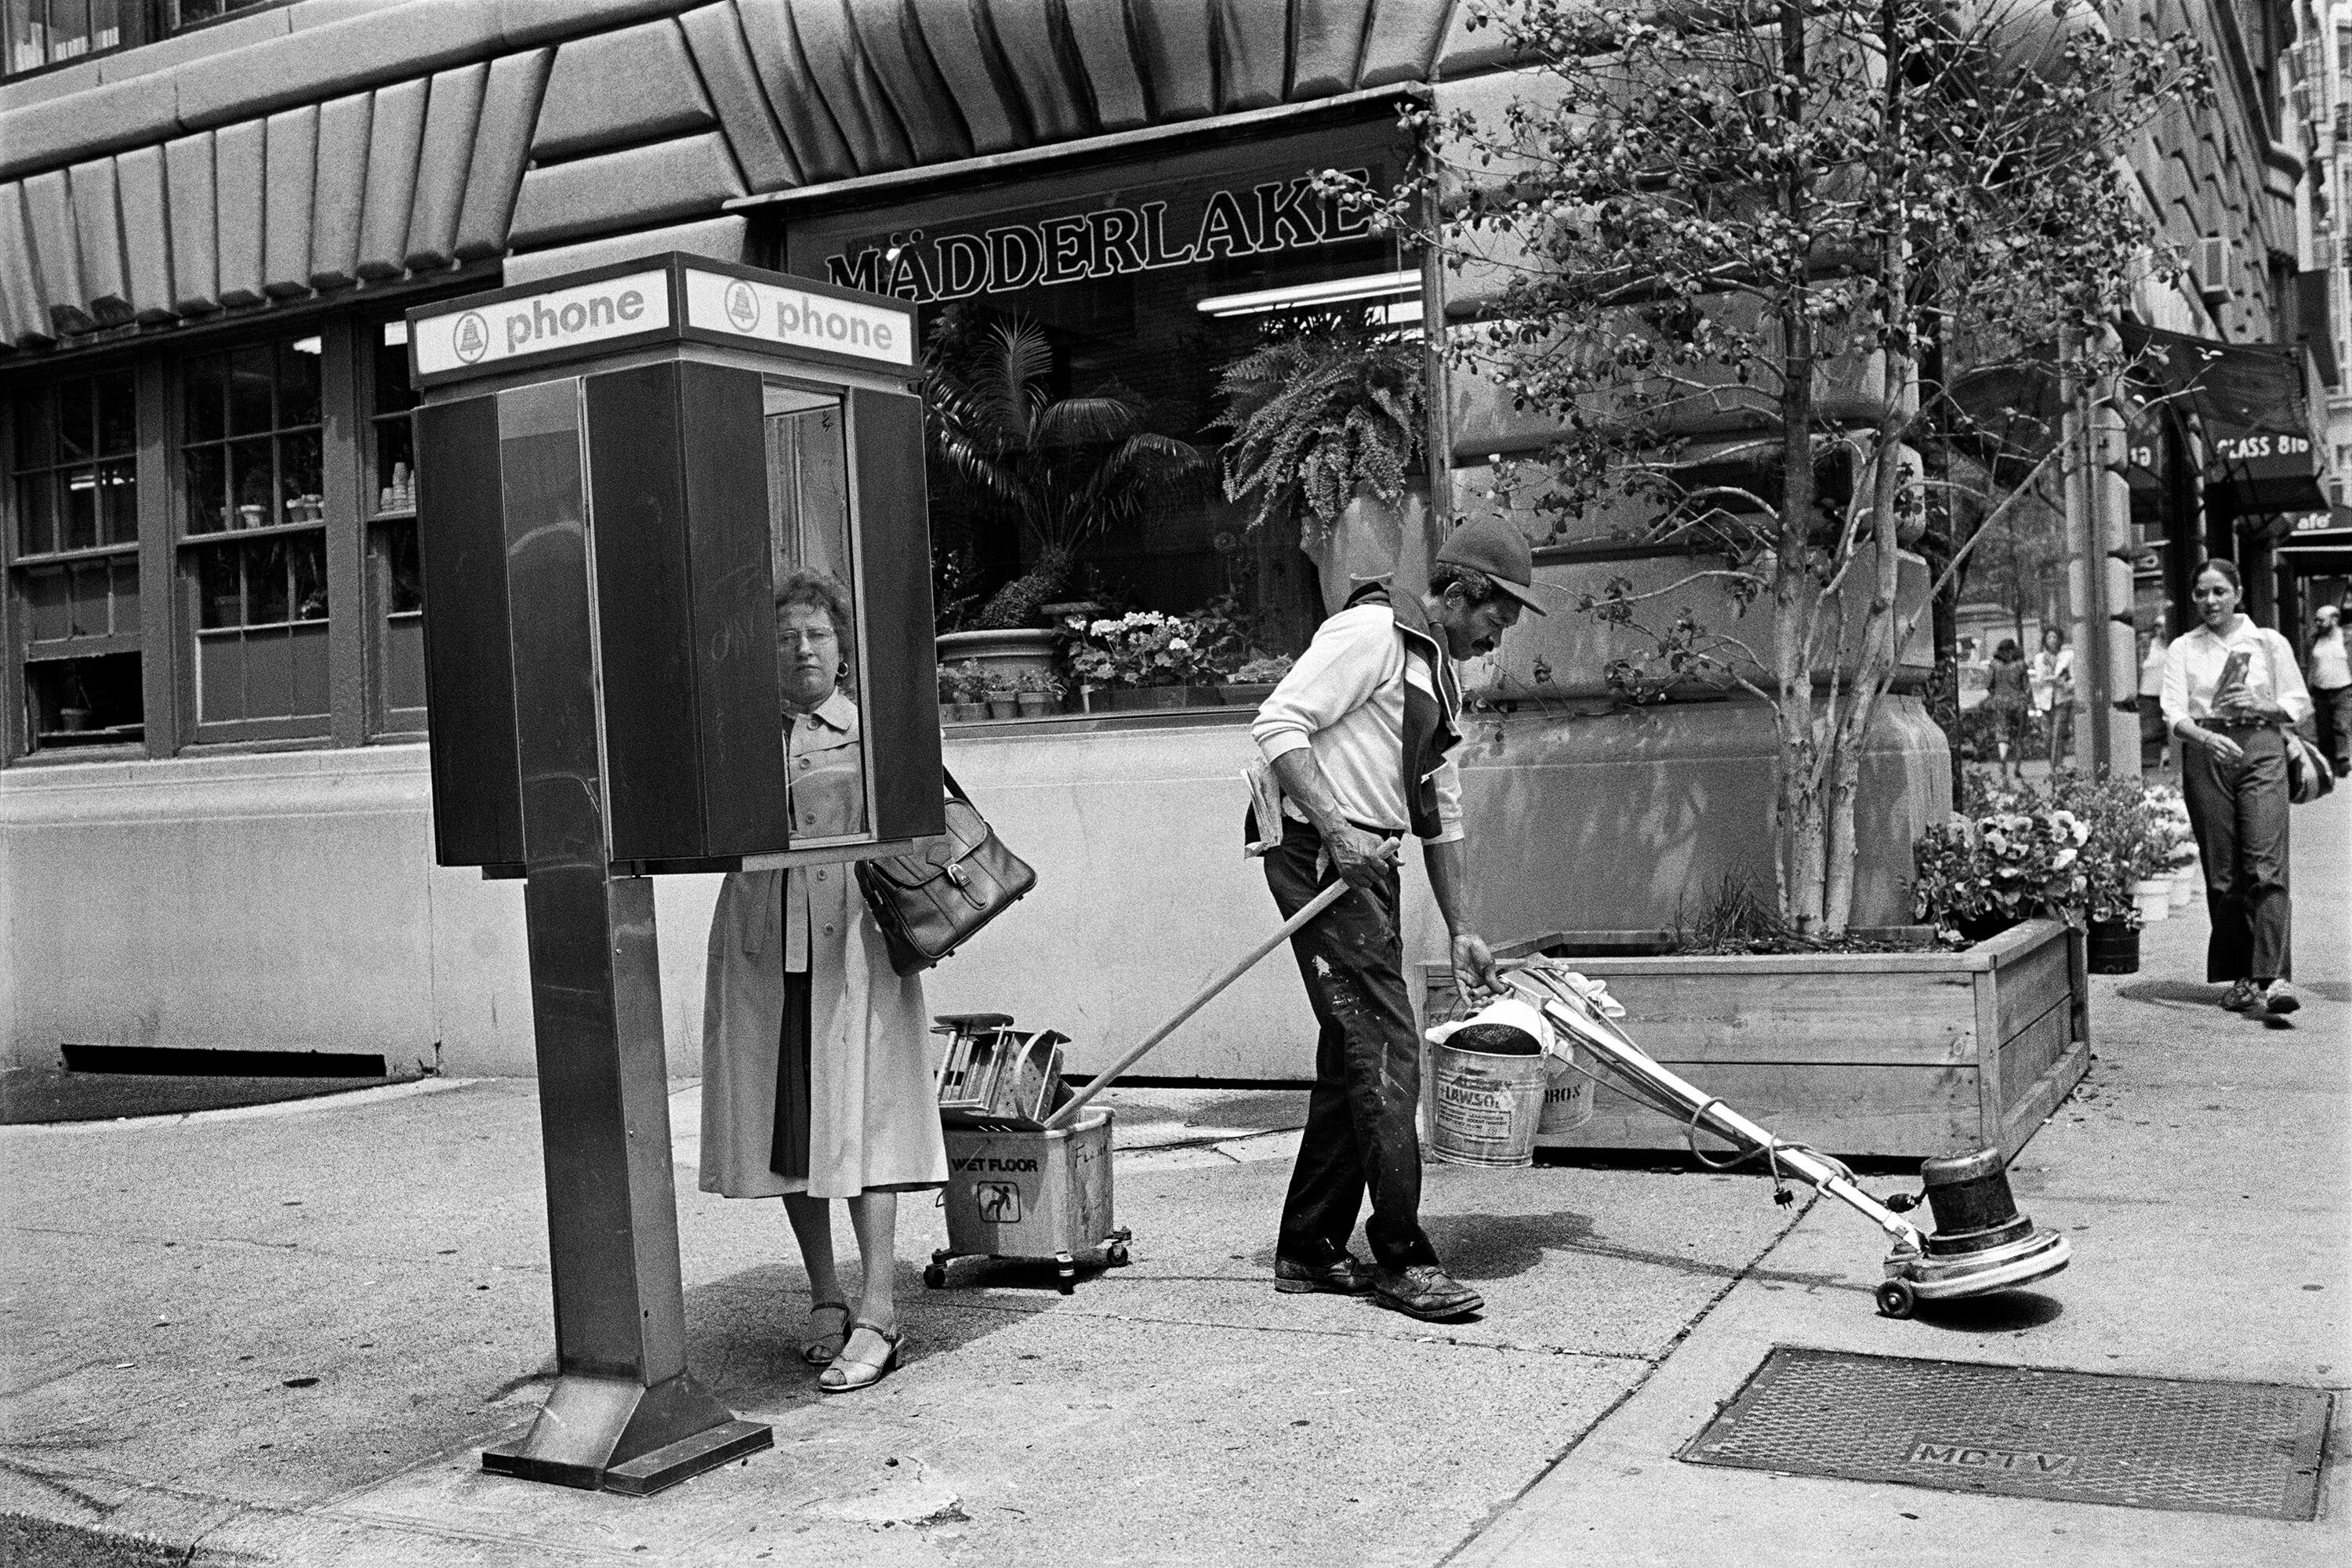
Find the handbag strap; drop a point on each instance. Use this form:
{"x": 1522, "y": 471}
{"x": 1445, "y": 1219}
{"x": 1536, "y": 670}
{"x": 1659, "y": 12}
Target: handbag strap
{"x": 955, "y": 790}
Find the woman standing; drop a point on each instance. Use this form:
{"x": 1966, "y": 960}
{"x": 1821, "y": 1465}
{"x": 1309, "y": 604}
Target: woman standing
{"x": 2006, "y": 698}
{"x": 2229, "y": 685}
{"x": 2051, "y": 678}
{"x": 816, "y": 1073}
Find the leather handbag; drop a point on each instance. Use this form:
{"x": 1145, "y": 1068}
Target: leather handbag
{"x": 930, "y": 903}
{"x": 2309, "y": 775}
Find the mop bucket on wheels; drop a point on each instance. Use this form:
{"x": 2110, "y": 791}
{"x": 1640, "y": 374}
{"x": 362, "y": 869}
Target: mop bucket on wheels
{"x": 1981, "y": 1242}
{"x": 1017, "y": 1189}
{"x": 1034, "y": 1193}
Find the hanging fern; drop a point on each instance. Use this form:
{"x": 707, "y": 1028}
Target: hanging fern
{"x": 1323, "y": 407}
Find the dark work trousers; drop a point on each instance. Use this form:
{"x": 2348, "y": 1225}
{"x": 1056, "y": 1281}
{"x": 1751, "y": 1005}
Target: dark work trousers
{"x": 1360, "y": 1121}
{"x": 2332, "y": 710}
{"x": 2238, "y": 810}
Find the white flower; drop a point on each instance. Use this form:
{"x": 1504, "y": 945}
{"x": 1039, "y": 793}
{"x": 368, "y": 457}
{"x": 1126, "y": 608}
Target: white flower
{"x": 1177, "y": 645}
{"x": 2063, "y": 858}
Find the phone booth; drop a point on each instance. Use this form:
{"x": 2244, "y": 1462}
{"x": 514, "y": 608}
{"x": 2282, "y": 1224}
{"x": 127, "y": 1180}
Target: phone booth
{"x": 616, "y": 470}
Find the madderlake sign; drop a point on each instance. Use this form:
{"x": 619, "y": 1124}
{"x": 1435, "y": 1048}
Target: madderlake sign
{"x": 1181, "y": 228}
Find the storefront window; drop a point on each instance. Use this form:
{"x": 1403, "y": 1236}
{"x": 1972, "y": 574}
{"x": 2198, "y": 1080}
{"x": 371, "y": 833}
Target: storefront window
{"x": 252, "y": 478}
{"x": 74, "y": 495}
{"x": 1144, "y": 281}
{"x": 51, "y": 32}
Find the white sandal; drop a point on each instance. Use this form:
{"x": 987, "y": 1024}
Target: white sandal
{"x": 856, "y": 1374}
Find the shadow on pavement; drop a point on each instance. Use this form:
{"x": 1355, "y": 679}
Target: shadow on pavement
{"x": 2001, "y": 1314}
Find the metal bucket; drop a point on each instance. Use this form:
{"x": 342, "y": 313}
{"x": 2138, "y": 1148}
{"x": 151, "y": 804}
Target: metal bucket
{"x": 1484, "y": 1110}
{"x": 1566, "y": 1102}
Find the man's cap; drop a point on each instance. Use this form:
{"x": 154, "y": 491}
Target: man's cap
{"x": 1498, "y": 549}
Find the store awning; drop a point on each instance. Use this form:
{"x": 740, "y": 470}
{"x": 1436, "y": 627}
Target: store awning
{"x": 2320, "y": 543}
{"x": 2263, "y": 451}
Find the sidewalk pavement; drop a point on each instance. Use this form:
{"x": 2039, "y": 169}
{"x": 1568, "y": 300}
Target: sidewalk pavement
{"x": 280, "y": 1336}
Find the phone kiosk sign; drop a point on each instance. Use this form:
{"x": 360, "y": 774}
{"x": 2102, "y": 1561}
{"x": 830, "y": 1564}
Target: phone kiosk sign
{"x": 616, "y": 470}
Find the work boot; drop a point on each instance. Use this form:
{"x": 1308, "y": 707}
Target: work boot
{"x": 1343, "y": 1276}
{"x": 2242, "y": 994}
{"x": 1424, "y": 1291}
{"x": 2279, "y": 998}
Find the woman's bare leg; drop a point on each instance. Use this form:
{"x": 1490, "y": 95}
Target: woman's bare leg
{"x": 813, "y": 1228}
{"x": 875, "y": 1219}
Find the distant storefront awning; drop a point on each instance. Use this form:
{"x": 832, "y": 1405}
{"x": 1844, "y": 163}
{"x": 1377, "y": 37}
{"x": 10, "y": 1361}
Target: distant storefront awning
{"x": 2320, "y": 543}
{"x": 2262, "y": 454}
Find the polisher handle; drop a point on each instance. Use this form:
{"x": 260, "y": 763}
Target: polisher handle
{"x": 1103, "y": 1081}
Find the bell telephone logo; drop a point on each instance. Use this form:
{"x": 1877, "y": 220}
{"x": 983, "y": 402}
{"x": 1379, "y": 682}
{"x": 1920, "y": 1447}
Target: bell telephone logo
{"x": 743, "y": 307}
{"x": 473, "y": 338}
{"x": 1000, "y": 1202}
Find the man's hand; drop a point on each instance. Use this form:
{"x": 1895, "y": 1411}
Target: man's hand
{"x": 1362, "y": 858}
{"x": 1474, "y": 976}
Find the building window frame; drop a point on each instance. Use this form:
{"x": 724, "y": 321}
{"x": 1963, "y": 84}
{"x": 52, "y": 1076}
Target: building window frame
{"x": 394, "y": 599}
{"x": 43, "y": 668}
{"x": 325, "y": 514}
{"x": 136, "y": 22}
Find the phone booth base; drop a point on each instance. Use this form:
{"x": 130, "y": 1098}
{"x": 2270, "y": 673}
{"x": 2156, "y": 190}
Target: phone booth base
{"x": 573, "y": 1441}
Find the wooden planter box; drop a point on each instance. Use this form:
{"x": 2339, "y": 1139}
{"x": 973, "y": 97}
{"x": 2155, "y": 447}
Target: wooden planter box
{"x": 1895, "y": 1055}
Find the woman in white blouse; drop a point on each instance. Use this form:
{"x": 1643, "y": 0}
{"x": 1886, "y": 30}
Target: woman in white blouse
{"x": 2227, "y": 710}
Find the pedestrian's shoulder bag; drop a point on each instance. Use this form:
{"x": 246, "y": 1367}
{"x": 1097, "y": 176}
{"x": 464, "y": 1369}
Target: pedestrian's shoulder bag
{"x": 2309, "y": 775}
{"x": 930, "y": 903}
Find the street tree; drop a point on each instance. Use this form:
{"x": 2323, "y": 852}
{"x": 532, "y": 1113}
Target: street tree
{"x": 1739, "y": 252}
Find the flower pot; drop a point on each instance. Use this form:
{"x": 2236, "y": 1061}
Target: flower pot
{"x": 1039, "y": 704}
{"x": 968, "y": 713}
{"x": 2114, "y": 948}
{"x": 1005, "y": 707}
{"x": 2154, "y": 897}
{"x": 1246, "y": 693}
{"x": 1003, "y": 657}
{"x": 73, "y": 719}
{"x": 2183, "y": 888}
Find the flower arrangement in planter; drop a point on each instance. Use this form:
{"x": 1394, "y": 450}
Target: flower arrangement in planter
{"x": 1147, "y": 650}
{"x": 1039, "y": 692}
{"x": 964, "y": 687}
{"x": 1981, "y": 875}
{"x": 2081, "y": 855}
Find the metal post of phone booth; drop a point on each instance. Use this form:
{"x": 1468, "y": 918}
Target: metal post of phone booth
{"x": 601, "y": 519}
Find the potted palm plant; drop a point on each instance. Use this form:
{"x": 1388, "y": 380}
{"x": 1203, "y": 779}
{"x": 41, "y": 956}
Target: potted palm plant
{"x": 1327, "y": 416}
{"x": 1067, "y": 469}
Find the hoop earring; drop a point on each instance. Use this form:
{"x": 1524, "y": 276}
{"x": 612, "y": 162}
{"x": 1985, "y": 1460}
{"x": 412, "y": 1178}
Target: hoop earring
{"x": 841, "y": 670}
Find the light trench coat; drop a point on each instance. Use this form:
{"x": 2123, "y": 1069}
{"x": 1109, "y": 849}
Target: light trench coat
{"x": 873, "y": 1121}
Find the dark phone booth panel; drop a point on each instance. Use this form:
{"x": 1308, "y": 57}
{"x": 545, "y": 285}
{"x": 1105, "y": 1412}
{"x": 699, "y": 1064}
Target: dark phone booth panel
{"x": 468, "y": 681}
{"x": 902, "y": 702}
{"x": 685, "y": 613}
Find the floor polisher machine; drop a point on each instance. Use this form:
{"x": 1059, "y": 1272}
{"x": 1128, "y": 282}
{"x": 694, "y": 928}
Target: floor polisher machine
{"x": 1980, "y": 1244}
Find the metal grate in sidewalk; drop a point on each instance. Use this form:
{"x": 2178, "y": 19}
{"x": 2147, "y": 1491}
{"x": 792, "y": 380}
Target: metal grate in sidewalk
{"x": 2015, "y": 1431}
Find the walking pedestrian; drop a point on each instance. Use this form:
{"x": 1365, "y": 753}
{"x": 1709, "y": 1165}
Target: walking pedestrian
{"x": 2331, "y": 690}
{"x": 2050, "y": 677}
{"x": 817, "y": 1071}
{"x": 1358, "y": 736}
{"x": 2006, "y": 698}
{"x": 2229, "y": 686}
{"x": 2152, "y": 744}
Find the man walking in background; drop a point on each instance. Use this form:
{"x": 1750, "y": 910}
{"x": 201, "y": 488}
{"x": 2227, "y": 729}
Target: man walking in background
{"x": 2330, "y": 676}
{"x": 1358, "y": 737}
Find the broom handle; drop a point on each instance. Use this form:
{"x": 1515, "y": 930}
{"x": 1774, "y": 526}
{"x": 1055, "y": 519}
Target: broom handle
{"x": 1103, "y": 1081}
